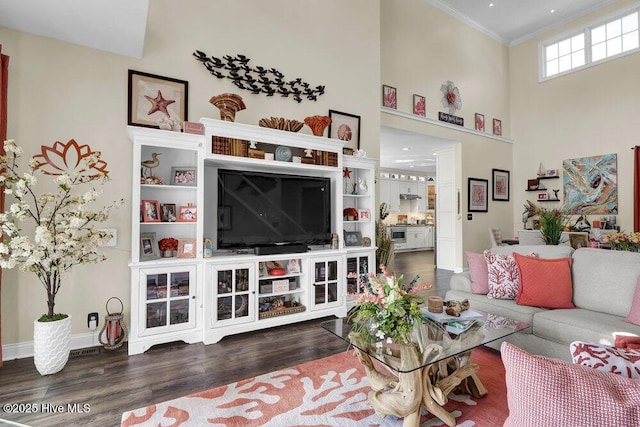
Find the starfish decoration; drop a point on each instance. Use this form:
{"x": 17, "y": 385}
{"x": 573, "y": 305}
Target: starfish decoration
{"x": 159, "y": 104}
{"x": 346, "y": 173}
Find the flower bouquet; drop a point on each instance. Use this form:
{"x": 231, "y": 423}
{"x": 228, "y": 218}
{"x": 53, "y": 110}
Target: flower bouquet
{"x": 167, "y": 246}
{"x": 621, "y": 241}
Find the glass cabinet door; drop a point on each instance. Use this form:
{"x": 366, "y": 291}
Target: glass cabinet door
{"x": 357, "y": 264}
{"x": 233, "y": 294}
{"x": 169, "y": 299}
{"x": 326, "y": 283}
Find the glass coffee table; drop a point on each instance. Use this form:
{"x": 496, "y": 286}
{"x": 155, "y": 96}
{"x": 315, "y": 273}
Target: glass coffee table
{"x": 424, "y": 371}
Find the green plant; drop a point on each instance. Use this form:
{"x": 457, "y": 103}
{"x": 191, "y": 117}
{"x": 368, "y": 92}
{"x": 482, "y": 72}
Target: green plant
{"x": 552, "y": 224}
{"x": 62, "y": 230}
{"x": 383, "y": 241}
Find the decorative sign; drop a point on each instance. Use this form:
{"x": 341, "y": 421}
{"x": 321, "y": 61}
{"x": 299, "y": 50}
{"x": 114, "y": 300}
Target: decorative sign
{"x": 450, "y": 118}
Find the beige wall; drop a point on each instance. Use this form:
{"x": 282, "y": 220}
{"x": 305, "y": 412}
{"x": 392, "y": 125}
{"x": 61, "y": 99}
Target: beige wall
{"x": 423, "y": 47}
{"x": 59, "y": 91}
{"x": 585, "y": 113}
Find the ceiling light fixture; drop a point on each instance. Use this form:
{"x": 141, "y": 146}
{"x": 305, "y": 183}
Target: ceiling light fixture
{"x": 552, "y": 10}
{"x": 405, "y": 149}
{"x": 490, "y": 4}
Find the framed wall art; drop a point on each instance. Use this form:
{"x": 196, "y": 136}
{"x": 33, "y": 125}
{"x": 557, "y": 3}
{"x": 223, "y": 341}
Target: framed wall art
{"x": 345, "y": 127}
{"x": 497, "y": 127}
{"x": 500, "y": 185}
{"x": 150, "y": 211}
{"x": 389, "y": 97}
{"x": 183, "y": 175}
{"x": 480, "y": 122}
{"x": 419, "y": 105}
{"x": 478, "y": 192}
{"x": 188, "y": 214}
{"x": 157, "y": 101}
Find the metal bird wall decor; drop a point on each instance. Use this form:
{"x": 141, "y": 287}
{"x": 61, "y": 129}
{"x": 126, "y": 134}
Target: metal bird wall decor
{"x": 258, "y": 79}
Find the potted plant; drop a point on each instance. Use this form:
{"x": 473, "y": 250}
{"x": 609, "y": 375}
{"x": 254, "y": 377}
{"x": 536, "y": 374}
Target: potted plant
{"x": 50, "y": 232}
{"x": 552, "y": 222}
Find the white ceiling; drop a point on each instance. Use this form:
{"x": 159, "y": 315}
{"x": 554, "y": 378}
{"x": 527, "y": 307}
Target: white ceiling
{"x": 119, "y": 26}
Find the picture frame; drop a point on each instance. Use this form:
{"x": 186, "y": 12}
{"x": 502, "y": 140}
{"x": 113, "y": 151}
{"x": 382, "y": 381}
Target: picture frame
{"x": 352, "y": 238}
{"x": 149, "y": 105}
{"x": 419, "y": 105}
{"x": 500, "y": 184}
{"x": 150, "y": 211}
{"x": 207, "y": 246}
{"x": 478, "y": 192}
{"x": 532, "y": 184}
{"x": 293, "y": 266}
{"x": 389, "y": 97}
{"x": 345, "y": 127}
{"x": 497, "y": 127}
{"x": 184, "y": 175}
{"x": 578, "y": 241}
{"x": 169, "y": 212}
{"x": 188, "y": 213}
{"x": 148, "y": 247}
{"x": 551, "y": 172}
{"x": 543, "y": 196}
{"x": 187, "y": 248}
{"x": 480, "y": 122}
{"x": 364, "y": 214}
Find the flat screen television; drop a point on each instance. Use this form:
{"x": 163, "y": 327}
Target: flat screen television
{"x": 258, "y": 209}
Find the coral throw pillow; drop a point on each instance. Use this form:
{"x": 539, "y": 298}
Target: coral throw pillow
{"x": 605, "y": 358}
{"x": 549, "y": 392}
{"x": 627, "y": 341}
{"x": 503, "y": 276}
{"x": 634, "y": 313}
{"x": 479, "y": 273}
{"x": 544, "y": 283}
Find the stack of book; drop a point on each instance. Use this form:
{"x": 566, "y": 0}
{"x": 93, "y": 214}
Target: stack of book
{"x": 453, "y": 324}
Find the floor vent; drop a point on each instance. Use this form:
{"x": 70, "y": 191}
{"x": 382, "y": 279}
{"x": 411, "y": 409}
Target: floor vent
{"x": 84, "y": 352}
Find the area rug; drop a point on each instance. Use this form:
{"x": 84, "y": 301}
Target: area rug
{"x": 326, "y": 392}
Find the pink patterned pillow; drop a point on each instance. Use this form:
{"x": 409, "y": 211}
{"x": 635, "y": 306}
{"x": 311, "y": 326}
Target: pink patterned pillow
{"x": 605, "y": 358}
{"x": 503, "y": 275}
{"x": 479, "y": 273}
{"x": 549, "y": 392}
{"x": 634, "y": 313}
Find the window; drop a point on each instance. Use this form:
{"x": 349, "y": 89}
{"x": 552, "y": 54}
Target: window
{"x": 597, "y": 42}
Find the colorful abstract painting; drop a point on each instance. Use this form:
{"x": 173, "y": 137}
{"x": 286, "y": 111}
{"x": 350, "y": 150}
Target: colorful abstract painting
{"x": 591, "y": 185}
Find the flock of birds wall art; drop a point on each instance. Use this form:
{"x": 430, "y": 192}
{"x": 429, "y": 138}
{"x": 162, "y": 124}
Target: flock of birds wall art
{"x": 258, "y": 79}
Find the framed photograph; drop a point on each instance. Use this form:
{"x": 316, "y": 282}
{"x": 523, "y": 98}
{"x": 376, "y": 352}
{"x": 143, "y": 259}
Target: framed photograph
{"x": 497, "y": 127}
{"x": 188, "y": 214}
{"x": 551, "y": 172}
{"x": 169, "y": 212}
{"x": 419, "y": 105}
{"x": 578, "y": 241}
{"x": 532, "y": 184}
{"x": 187, "y": 248}
{"x": 345, "y": 127}
{"x": 543, "y": 196}
{"x": 148, "y": 247}
{"x": 293, "y": 266}
{"x": 364, "y": 215}
{"x": 480, "y": 122}
{"x": 500, "y": 184}
{"x": 185, "y": 175}
{"x": 478, "y": 193}
{"x": 352, "y": 238}
{"x": 150, "y": 211}
{"x": 389, "y": 97}
{"x": 156, "y": 101}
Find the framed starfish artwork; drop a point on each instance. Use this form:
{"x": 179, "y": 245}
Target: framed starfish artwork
{"x": 157, "y": 102}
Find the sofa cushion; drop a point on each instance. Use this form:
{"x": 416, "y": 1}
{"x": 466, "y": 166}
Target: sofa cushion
{"x": 542, "y": 251}
{"x": 634, "y": 312}
{"x": 479, "y": 273}
{"x": 544, "y": 282}
{"x": 504, "y": 276}
{"x": 548, "y": 392}
{"x": 605, "y": 281}
{"x": 567, "y": 325}
{"x": 627, "y": 341}
{"x": 606, "y": 358}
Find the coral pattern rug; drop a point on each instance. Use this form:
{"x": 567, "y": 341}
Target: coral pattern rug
{"x": 326, "y": 392}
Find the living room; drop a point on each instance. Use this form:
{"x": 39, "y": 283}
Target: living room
{"x": 59, "y": 91}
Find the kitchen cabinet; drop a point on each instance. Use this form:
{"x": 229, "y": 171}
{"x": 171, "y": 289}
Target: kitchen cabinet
{"x": 390, "y": 194}
{"x": 431, "y": 196}
{"x": 416, "y": 237}
{"x": 422, "y": 201}
{"x": 429, "y": 240}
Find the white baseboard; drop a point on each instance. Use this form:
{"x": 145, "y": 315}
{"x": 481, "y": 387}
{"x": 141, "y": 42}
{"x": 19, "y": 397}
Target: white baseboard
{"x": 22, "y": 350}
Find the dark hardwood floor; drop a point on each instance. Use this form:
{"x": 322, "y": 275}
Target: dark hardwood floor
{"x": 111, "y": 382}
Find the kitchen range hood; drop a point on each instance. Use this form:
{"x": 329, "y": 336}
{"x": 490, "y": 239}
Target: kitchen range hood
{"x": 409, "y": 197}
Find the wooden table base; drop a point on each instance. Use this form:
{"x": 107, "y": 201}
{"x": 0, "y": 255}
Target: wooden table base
{"x": 402, "y": 394}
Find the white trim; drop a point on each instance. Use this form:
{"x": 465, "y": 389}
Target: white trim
{"x": 23, "y": 350}
{"x": 443, "y": 124}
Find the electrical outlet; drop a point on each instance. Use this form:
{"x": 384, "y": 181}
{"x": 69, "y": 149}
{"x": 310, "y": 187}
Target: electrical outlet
{"x": 92, "y": 321}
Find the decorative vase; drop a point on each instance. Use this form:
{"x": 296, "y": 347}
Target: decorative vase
{"x": 51, "y": 345}
{"x": 317, "y": 124}
{"x": 228, "y": 104}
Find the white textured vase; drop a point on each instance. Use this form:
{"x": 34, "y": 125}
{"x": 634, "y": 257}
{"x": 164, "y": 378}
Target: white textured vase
{"x": 51, "y": 345}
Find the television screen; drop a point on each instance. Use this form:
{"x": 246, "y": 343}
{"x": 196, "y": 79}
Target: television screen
{"x": 262, "y": 209}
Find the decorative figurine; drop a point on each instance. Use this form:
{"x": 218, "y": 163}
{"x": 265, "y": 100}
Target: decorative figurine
{"x": 150, "y": 164}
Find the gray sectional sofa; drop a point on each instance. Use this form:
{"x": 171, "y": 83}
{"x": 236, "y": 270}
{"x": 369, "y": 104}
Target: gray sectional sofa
{"x": 604, "y": 283}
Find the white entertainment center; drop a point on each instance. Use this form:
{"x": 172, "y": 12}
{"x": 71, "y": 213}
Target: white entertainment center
{"x": 202, "y": 294}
